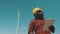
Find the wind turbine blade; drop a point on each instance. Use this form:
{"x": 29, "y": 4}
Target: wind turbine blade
{"x": 17, "y": 22}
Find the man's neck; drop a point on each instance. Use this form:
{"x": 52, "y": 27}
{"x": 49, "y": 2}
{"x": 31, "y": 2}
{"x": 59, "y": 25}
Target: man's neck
{"x": 39, "y": 18}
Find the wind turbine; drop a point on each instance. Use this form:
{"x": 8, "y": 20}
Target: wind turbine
{"x": 17, "y": 22}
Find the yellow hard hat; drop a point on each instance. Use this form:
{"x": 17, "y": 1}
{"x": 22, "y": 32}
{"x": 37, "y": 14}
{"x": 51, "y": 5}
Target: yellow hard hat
{"x": 35, "y": 10}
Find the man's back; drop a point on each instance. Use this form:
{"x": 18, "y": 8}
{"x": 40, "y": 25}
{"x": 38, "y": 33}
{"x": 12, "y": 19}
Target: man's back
{"x": 38, "y": 27}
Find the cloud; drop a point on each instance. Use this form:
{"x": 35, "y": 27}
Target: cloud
{"x": 24, "y": 28}
{"x": 22, "y": 33}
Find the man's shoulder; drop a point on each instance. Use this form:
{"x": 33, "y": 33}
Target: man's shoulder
{"x": 33, "y": 21}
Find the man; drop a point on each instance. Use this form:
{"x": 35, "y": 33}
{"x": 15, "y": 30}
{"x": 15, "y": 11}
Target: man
{"x": 37, "y": 24}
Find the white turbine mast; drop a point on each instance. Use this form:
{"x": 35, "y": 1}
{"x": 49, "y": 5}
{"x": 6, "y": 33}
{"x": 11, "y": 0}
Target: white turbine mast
{"x": 17, "y": 22}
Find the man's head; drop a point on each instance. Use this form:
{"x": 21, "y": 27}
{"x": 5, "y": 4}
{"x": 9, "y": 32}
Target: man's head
{"x": 38, "y": 13}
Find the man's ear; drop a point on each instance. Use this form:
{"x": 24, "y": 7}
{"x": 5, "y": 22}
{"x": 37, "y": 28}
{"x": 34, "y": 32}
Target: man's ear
{"x": 52, "y": 29}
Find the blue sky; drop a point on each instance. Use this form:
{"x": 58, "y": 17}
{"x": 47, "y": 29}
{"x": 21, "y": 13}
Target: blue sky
{"x": 8, "y": 14}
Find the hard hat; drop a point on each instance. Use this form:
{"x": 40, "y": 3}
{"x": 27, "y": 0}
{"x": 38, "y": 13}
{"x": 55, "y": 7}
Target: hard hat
{"x": 35, "y": 10}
